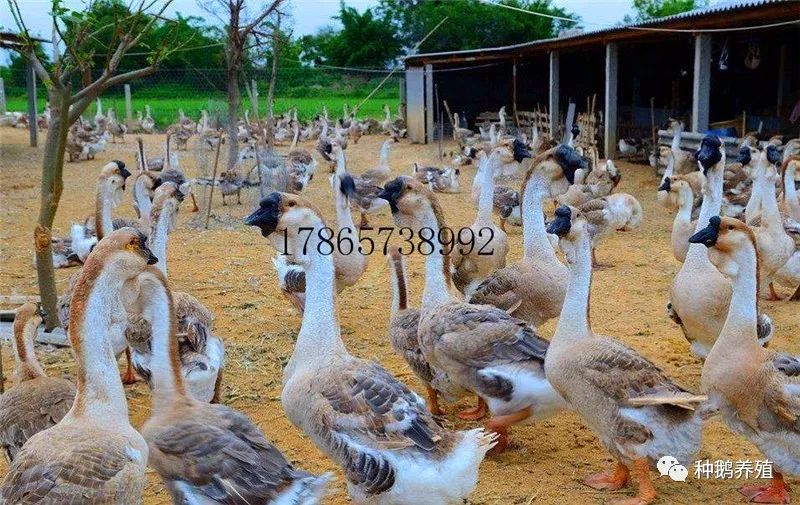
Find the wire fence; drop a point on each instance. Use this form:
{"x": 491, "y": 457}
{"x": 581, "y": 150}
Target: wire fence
{"x": 191, "y": 90}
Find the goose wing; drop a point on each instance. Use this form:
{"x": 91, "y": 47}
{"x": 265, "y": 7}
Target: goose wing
{"x": 499, "y": 290}
{"x": 365, "y": 412}
{"x": 77, "y": 467}
{"x": 228, "y": 459}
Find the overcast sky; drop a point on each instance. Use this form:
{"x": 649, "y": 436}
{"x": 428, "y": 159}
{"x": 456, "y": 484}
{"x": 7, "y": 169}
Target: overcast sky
{"x": 309, "y": 15}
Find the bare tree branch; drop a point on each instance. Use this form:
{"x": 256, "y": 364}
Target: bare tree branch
{"x": 259, "y": 19}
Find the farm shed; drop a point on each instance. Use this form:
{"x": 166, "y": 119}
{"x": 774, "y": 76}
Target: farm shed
{"x": 700, "y": 65}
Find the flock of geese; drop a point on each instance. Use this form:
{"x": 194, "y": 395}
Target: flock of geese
{"x": 473, "y": 335}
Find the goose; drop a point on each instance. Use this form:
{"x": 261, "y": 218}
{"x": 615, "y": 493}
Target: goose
{"x": 682, "y": 196}
{"x": 460, "y": 135}
{"x": 738, "y": 178}
{"x": 110, "y": 190}
{"x": 403, "y": 328}
{"x": 445, "y": 181}
{"x": 148, "y": 123}
{"x": 354, "y": 128}
{"x": 382, "y": 172}
{"x": 325, "y": 146}
{"x": 699, "y": 293}
{"x": 81, "y": 243}
{"x": 387, "y": 124}
{"x": 116, "y": 128}
{"x": 93, "y": 455}
{"x": 363, "y": 196}
{"x": 349, "y": 267}
{"x": 638, "y": 413}
{"x": 615, "y": 212}
{"x": 754, "y": 389}
{"x": 684, "y": 162}
{"x": 477, "y": 348}
{"x": 300, "y": 160}
{"x": 779, "y": 252}
{"x": 172, "y": 172}
{"x": 99, "y": 117}
{"x": 532, "y": 289}
{"x": 488, "y": 253}
{"x": 370, "y": 424}
{"x": 506, "y": 201}
{"x": 790, "y": 169}
{"x": 201, "y": 353}
{"x": 209, "y": 453}
{"x": 37, "y": 402}
{"x": 598, "y": 183}
{"x": 230, "y": 184}
{"x": 96, "y": 145}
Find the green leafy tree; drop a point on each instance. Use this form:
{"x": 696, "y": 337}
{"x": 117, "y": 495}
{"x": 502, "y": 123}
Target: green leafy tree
{"x": 652, "y": 9}
{"x": 365, "y": 39}
{"x": 472, "y": 24}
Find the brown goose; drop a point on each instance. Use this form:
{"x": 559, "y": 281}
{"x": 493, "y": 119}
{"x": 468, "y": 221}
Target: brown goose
{"x": 93, "y": 455}
{"x": 37, "y": 402}
{"x": 209, "y": 453}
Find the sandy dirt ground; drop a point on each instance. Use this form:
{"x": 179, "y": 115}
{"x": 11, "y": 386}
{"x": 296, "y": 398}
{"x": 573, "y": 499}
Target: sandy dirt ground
{"x": 228, "y": 268}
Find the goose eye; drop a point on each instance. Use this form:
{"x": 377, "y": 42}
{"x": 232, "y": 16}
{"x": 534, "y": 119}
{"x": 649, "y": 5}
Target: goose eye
{"x": 730, "y": 227}
{"x": 291, "y": 204}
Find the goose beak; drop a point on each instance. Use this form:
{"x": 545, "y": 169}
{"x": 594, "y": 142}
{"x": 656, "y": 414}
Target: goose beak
{"x": 391, "y": 193}
{"x": 708, "y": 235}
{"x": 665, "y": 186}
{"x": 521, "y": 151}
{"x": 151, "y": 258}
{"x": 562, "y": 223}
{"x": 267, "y": 215}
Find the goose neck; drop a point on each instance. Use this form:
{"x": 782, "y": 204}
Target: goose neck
{"x": 97, "y": 318}
{"x": 534, "y": 233}
{"x": 574, "y": 323}
{"x": 104, "y": 202}
{"x": 161, "y": 222}
{"x": 738, "y": 337}
{"x": 319, "y": 339}
{"x": 168, "y": 386}
{"x": 27, "y": 366}
{"x": 790, "y": 191}
{"x": 437, "y": 287}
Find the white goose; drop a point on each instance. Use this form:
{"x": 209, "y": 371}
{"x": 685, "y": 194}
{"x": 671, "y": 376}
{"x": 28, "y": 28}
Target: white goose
{"x": 377, "y": 430}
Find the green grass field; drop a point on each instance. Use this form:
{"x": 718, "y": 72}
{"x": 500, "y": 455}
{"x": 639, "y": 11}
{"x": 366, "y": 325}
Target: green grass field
{"x": 165, "y": 110}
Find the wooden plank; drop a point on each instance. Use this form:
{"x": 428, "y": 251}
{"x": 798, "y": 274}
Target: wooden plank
{"x": 17, "y": 299}
{"x": 57, "y": 337}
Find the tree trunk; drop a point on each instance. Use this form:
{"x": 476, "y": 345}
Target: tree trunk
{"x": 234, "y": 99}
{"x": 52, "y": 185}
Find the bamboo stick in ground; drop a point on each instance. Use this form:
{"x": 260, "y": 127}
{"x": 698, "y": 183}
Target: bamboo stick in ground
{"x": 213, "y": 179}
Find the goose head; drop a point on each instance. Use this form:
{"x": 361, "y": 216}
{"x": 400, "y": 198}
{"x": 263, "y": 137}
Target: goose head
{"x": 112, "y": 179}
{"x": 280, "y": 213}
{"x": 410, "y": 201}
{"x": 28, "y": 316}
{"x": 711, "y": 154}
{"x": 675, "y": 186}
{"x": 728, "y": 241}
{"x": 125, "y": 249}
{"x": 167, "y": 198}
{"x": 570, "y": 226}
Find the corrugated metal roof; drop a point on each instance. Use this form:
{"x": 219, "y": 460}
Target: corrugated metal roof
{"x": 716, "y": 8}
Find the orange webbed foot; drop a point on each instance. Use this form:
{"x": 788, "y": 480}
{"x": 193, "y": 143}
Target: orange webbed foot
{"x": 475, "y": 413}
{"x": 777, "y": 492}
{"x": 129, "y": 377}
{"x": 605, "y": 482}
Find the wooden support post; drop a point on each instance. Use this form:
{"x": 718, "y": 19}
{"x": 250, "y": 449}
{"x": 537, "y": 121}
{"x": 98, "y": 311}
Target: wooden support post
{"x": 653, "y": 130}
{"x": 128, "y": 106}
{"x": 701, "y": 85}
{"x": 30, "y": 81}
{"x": 554, "y": 111}
{"x": 514, "y": 92}
{"x": 610, "y": 127}
{"x": 429, "y": 112}
{"x": 3, "y": 107}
